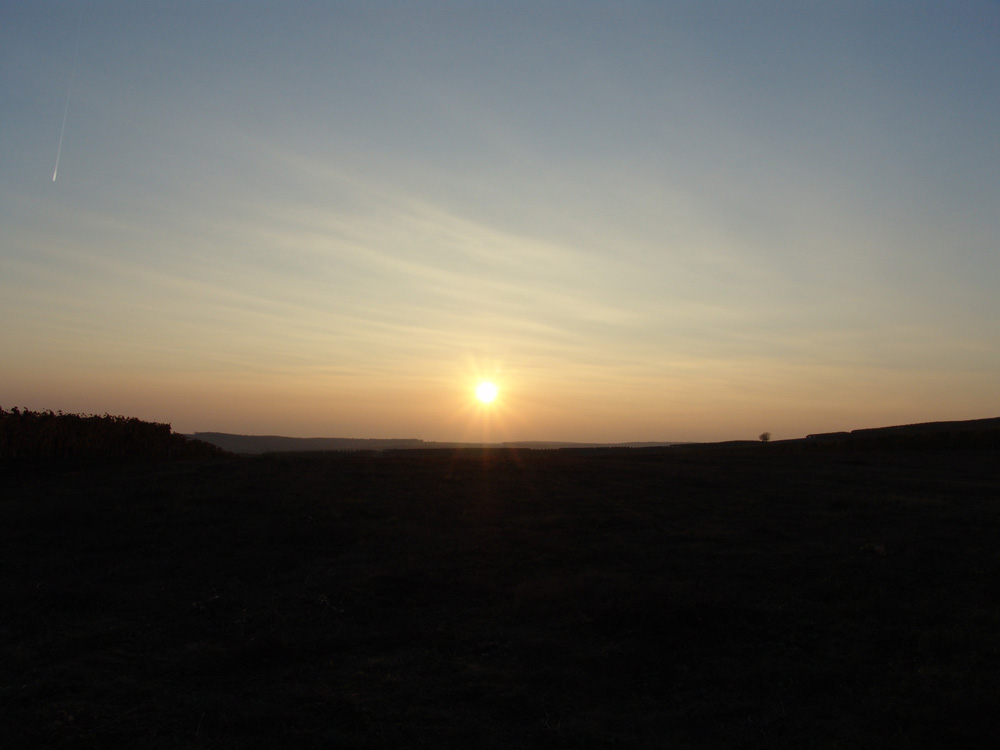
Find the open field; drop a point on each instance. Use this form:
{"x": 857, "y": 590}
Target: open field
{"x": 755, "y": 596}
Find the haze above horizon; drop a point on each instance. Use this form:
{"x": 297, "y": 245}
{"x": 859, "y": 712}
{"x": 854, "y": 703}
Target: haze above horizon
{"x": 676, "y": 221}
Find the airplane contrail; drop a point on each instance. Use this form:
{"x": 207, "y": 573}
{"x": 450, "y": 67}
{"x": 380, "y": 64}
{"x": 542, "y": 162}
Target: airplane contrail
{"x": 69, "y": 93}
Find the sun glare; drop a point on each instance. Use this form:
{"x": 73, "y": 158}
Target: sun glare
{"x": 486, "y": 392}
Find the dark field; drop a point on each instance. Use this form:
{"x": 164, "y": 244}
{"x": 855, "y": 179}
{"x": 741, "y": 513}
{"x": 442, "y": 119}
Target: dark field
{"x": 758, "y": 596}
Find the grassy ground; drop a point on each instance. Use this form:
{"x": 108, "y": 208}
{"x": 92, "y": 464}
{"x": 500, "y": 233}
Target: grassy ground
{"x": 760, "y": 596}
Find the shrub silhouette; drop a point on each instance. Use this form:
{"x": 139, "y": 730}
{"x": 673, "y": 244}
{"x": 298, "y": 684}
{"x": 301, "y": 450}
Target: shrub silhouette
{"x": 27, "y": 435}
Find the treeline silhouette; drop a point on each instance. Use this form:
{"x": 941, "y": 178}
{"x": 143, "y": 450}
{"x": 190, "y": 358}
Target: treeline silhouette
{"x": 29, "y": 436}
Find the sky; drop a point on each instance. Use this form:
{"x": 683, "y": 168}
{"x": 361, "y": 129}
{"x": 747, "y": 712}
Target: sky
{"x": 644, "y": 221}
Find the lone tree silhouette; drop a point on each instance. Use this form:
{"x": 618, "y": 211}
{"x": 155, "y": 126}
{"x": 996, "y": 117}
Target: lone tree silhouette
{"x": 765, "y": 437}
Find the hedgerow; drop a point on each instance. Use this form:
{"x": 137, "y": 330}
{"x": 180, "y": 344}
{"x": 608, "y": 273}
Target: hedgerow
{"x": 27, "y": 435}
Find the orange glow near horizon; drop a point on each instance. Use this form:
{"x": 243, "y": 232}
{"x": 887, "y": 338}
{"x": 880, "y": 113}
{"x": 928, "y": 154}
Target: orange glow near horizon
{"x": 486, "y": 410}
{"x": 363, "y": 280}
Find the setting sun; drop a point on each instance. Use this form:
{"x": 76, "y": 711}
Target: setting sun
{"x": 486, "y": 392}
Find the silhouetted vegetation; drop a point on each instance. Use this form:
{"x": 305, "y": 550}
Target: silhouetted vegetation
{"x": 44, "y": 436}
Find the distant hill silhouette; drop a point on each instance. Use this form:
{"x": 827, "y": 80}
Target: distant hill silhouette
{"x": 993, "y": 423}
{"x": 279, "y": 444}
{"x": 254, "y": 444}
{"x": 970, "y": 433}
{"x": 32, "y": 436}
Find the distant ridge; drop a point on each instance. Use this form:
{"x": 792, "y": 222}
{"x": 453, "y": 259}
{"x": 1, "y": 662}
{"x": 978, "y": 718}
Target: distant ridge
{"x": 256, "y": 444}
{"x": 920, "y": 428}
{"x": 968, "y": 425}
{"x": 971, "y": 434}
{"x": 965, "y": 433}
{"x": 278, "y": 444}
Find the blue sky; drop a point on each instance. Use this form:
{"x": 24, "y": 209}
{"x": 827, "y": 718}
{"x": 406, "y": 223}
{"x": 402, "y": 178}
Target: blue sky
{"x": 645, "y": 221}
